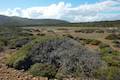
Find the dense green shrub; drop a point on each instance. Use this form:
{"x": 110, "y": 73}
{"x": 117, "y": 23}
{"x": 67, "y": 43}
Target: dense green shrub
{"x": 88, "y": 41}
{"x": 95, "y": 42}
{"x": 36, "y": 30}
{"x": 106, "y": 51}
{"x": 52, "y": 31}
{"x": 109, "y": 73}
{"x": 70, "y": 59}
{"x": 45, "y": 70}
{"x": 116, "y": 43}
{"x": 25, "y": 34}
{"x": 41, "y": 34}
{"x": 86, "y": 30}
{"x": 77, "y": 31}
{"x": 110, "y": 56}
{"x": 18, "y": 57}
{"x": 3, "y": 42}
{"x": 103, "y": 45}
{"x": 113, "y": 37}
{"x": 67, "y": 55}
{"x": 91, "y": 41}
{"x": 112, "y": 60}
{"x": 19, "y": 42}
{"x": 69, "y": 35}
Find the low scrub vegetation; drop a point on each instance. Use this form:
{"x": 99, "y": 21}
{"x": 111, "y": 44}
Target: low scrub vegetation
{"x": 41, "y": 34}
{"x": 95, "y": 42}
{"x": 109, "y": 73}
{"x": 113, "y": 37}
{"x": 116, "y": 43}
{"x": 112, "y": 58}
{"x": 45, "y": 70}
{"x": 18, "y": 58}
{"x": 56, "y": 58}
{"x": 100, "y": 31}
{"x": 85, "y": 30}
{"x": 91, "y": 41}
{"x": 62, "y": 57}
{"x": 103, "y": 45}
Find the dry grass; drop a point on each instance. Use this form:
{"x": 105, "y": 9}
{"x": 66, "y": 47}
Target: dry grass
{"x": 54, "y": 31}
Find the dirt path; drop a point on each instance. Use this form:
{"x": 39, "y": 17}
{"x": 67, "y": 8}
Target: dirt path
{"x": 12, "y": 74}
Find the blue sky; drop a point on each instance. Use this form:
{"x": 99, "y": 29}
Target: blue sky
{"x": 70, "y": 10}
{"x": 29, "y": 3}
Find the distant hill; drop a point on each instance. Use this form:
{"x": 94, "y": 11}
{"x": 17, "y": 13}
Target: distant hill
{"x": 115, "y": 23}
{"x": 18, "y": 21}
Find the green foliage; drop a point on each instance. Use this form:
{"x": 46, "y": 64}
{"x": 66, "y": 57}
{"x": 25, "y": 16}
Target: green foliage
{"x": 88, "y": 41}
{"x": 91, "y": 41}
{"x": 103, "y": 45}
{"x": 20, "y": 56}
{"x": 44, "y": 70}
{"x": 109, "y": 73}
{"x": 95, "y": 42}
{"x": 69, "y": 35}
{"x": 106, "y": 50}
{"x": 110, "y": 56}
{"x": 41, "y": 34}
{"x": 1, "y": 43}
{"x": 112, "y": 60}
{"x": 113, "y": 37}
{"x": 78, "y": 71}
{"x": 9, "y": 35}
{"x": 43, "y": 39}
{"x": 116, "y": 41}
{"x": 19, "y": 41}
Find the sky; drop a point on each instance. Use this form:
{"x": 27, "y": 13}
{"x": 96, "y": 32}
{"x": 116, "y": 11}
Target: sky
{"x": 70, "y": 10}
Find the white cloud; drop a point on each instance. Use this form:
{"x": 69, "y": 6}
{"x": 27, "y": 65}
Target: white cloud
{"x": 84, "y": 12}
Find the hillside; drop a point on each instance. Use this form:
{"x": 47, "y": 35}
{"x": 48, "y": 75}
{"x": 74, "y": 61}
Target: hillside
{"x": 18, "y": 21}
{"x": 115, "y": 23}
